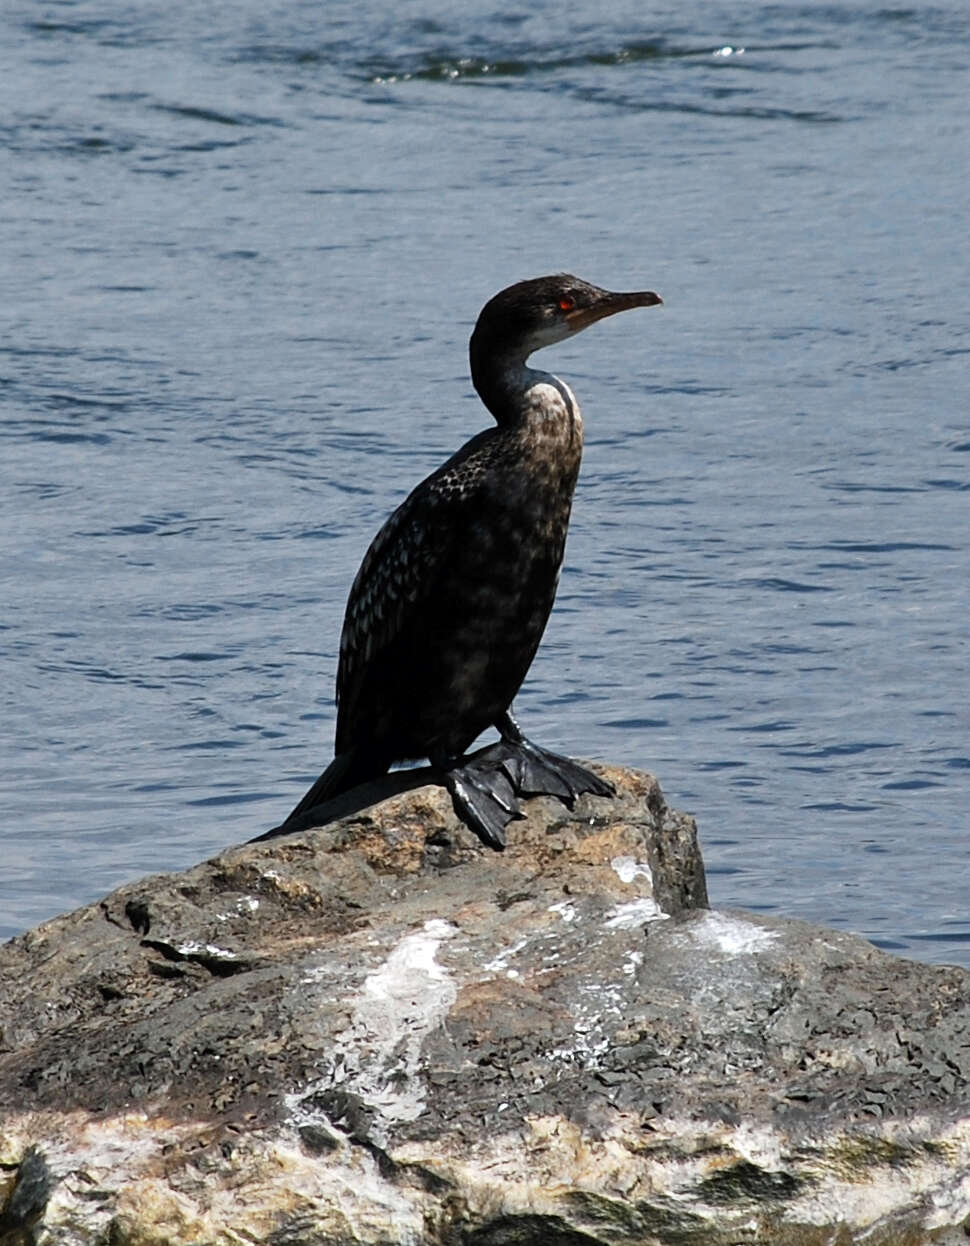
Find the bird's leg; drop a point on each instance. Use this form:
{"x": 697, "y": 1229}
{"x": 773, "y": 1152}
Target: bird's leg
{"x": 534, "y": 771}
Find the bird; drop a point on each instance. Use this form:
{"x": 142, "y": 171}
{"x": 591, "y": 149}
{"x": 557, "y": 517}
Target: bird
{"x": 451, "y": 599}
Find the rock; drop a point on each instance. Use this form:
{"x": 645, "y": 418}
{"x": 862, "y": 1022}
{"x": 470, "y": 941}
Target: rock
{"x": 381, "y": 1032}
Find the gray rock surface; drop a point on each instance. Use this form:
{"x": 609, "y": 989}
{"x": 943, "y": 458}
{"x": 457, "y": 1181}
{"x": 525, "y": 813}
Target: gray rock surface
{"x": 380, "y": 1032}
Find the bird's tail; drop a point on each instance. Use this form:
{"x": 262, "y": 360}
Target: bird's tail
{"x": 331, "y": 783}
{"x": 347, "y": 770}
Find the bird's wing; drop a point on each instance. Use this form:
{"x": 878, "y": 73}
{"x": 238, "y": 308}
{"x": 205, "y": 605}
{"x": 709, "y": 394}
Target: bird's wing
{"x": 402, "y": 570}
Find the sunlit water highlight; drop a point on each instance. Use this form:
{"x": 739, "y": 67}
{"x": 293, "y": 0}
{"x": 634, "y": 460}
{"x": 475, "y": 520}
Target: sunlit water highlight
{"x": 244, "y": 249}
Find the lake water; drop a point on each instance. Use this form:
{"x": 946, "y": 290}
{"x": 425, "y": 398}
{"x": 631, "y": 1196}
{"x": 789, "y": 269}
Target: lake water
{"x": 243, "y": 248}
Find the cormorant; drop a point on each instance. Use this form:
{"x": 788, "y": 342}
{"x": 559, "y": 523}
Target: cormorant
{"x": 451, "y": 600}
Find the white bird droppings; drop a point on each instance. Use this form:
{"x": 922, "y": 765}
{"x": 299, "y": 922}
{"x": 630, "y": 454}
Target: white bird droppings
{"x": 628, "y": 869}
{"x": 635, "y": 913}
{"x": 396, "y": 1008}
{"x": 732, "y": 935}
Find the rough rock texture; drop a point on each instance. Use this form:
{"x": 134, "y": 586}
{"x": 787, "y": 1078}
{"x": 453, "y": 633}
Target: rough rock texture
{"x": 380, "y": 1032}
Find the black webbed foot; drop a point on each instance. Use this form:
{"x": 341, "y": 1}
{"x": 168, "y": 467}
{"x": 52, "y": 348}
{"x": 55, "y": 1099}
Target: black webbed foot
{"x": 483, "y": 796}
{"x": 485, "y": 786}
{"x": 535, "y": 771}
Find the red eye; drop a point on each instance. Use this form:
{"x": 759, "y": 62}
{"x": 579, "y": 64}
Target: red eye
{"x": 566, "y": 303}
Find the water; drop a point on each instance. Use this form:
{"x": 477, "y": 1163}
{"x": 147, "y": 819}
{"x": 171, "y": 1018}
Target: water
{"x": 243, "y": 249}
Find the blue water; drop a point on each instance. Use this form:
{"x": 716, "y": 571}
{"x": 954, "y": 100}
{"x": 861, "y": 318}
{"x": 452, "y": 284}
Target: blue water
{"x": 243, "y": 248}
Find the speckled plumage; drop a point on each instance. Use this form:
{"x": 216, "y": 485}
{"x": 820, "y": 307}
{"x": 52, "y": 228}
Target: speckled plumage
{"x": 454, "y": 593}
{"x": 449, "y": 605}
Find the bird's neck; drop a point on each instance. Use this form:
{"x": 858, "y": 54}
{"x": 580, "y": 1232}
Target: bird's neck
{"x": 517, "y": 394}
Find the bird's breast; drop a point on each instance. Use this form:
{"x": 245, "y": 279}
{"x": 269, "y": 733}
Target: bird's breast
{"x": 526, "y": 501}
{"x": 550, "y": 447}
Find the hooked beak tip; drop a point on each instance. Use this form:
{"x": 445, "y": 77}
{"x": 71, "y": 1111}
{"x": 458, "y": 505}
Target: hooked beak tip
{"x": 642, "y": 298}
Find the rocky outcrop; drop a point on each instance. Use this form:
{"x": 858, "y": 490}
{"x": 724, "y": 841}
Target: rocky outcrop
{"x": 381, "y": 1032}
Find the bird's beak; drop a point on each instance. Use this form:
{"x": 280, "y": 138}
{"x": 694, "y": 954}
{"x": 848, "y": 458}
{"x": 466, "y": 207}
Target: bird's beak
{"x": 609, "y": 303}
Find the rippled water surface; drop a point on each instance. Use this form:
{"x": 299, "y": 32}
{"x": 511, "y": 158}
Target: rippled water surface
{"x": 244, "y": 246}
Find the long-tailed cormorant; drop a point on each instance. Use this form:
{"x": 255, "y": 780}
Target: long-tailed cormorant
{"x": 451, "y": 600}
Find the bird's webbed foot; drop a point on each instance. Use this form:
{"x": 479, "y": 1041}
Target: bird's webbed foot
{"x": 485, "y": 787}
{"x": 483, "y": 796}
{"x": 536, "y": 771}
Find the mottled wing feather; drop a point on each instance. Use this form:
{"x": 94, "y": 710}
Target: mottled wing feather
{"x": 401, "y": 571}
{"x": 396, "y": 574}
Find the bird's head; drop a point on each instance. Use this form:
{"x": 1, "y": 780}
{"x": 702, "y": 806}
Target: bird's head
{"x": 531, "y": 314}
